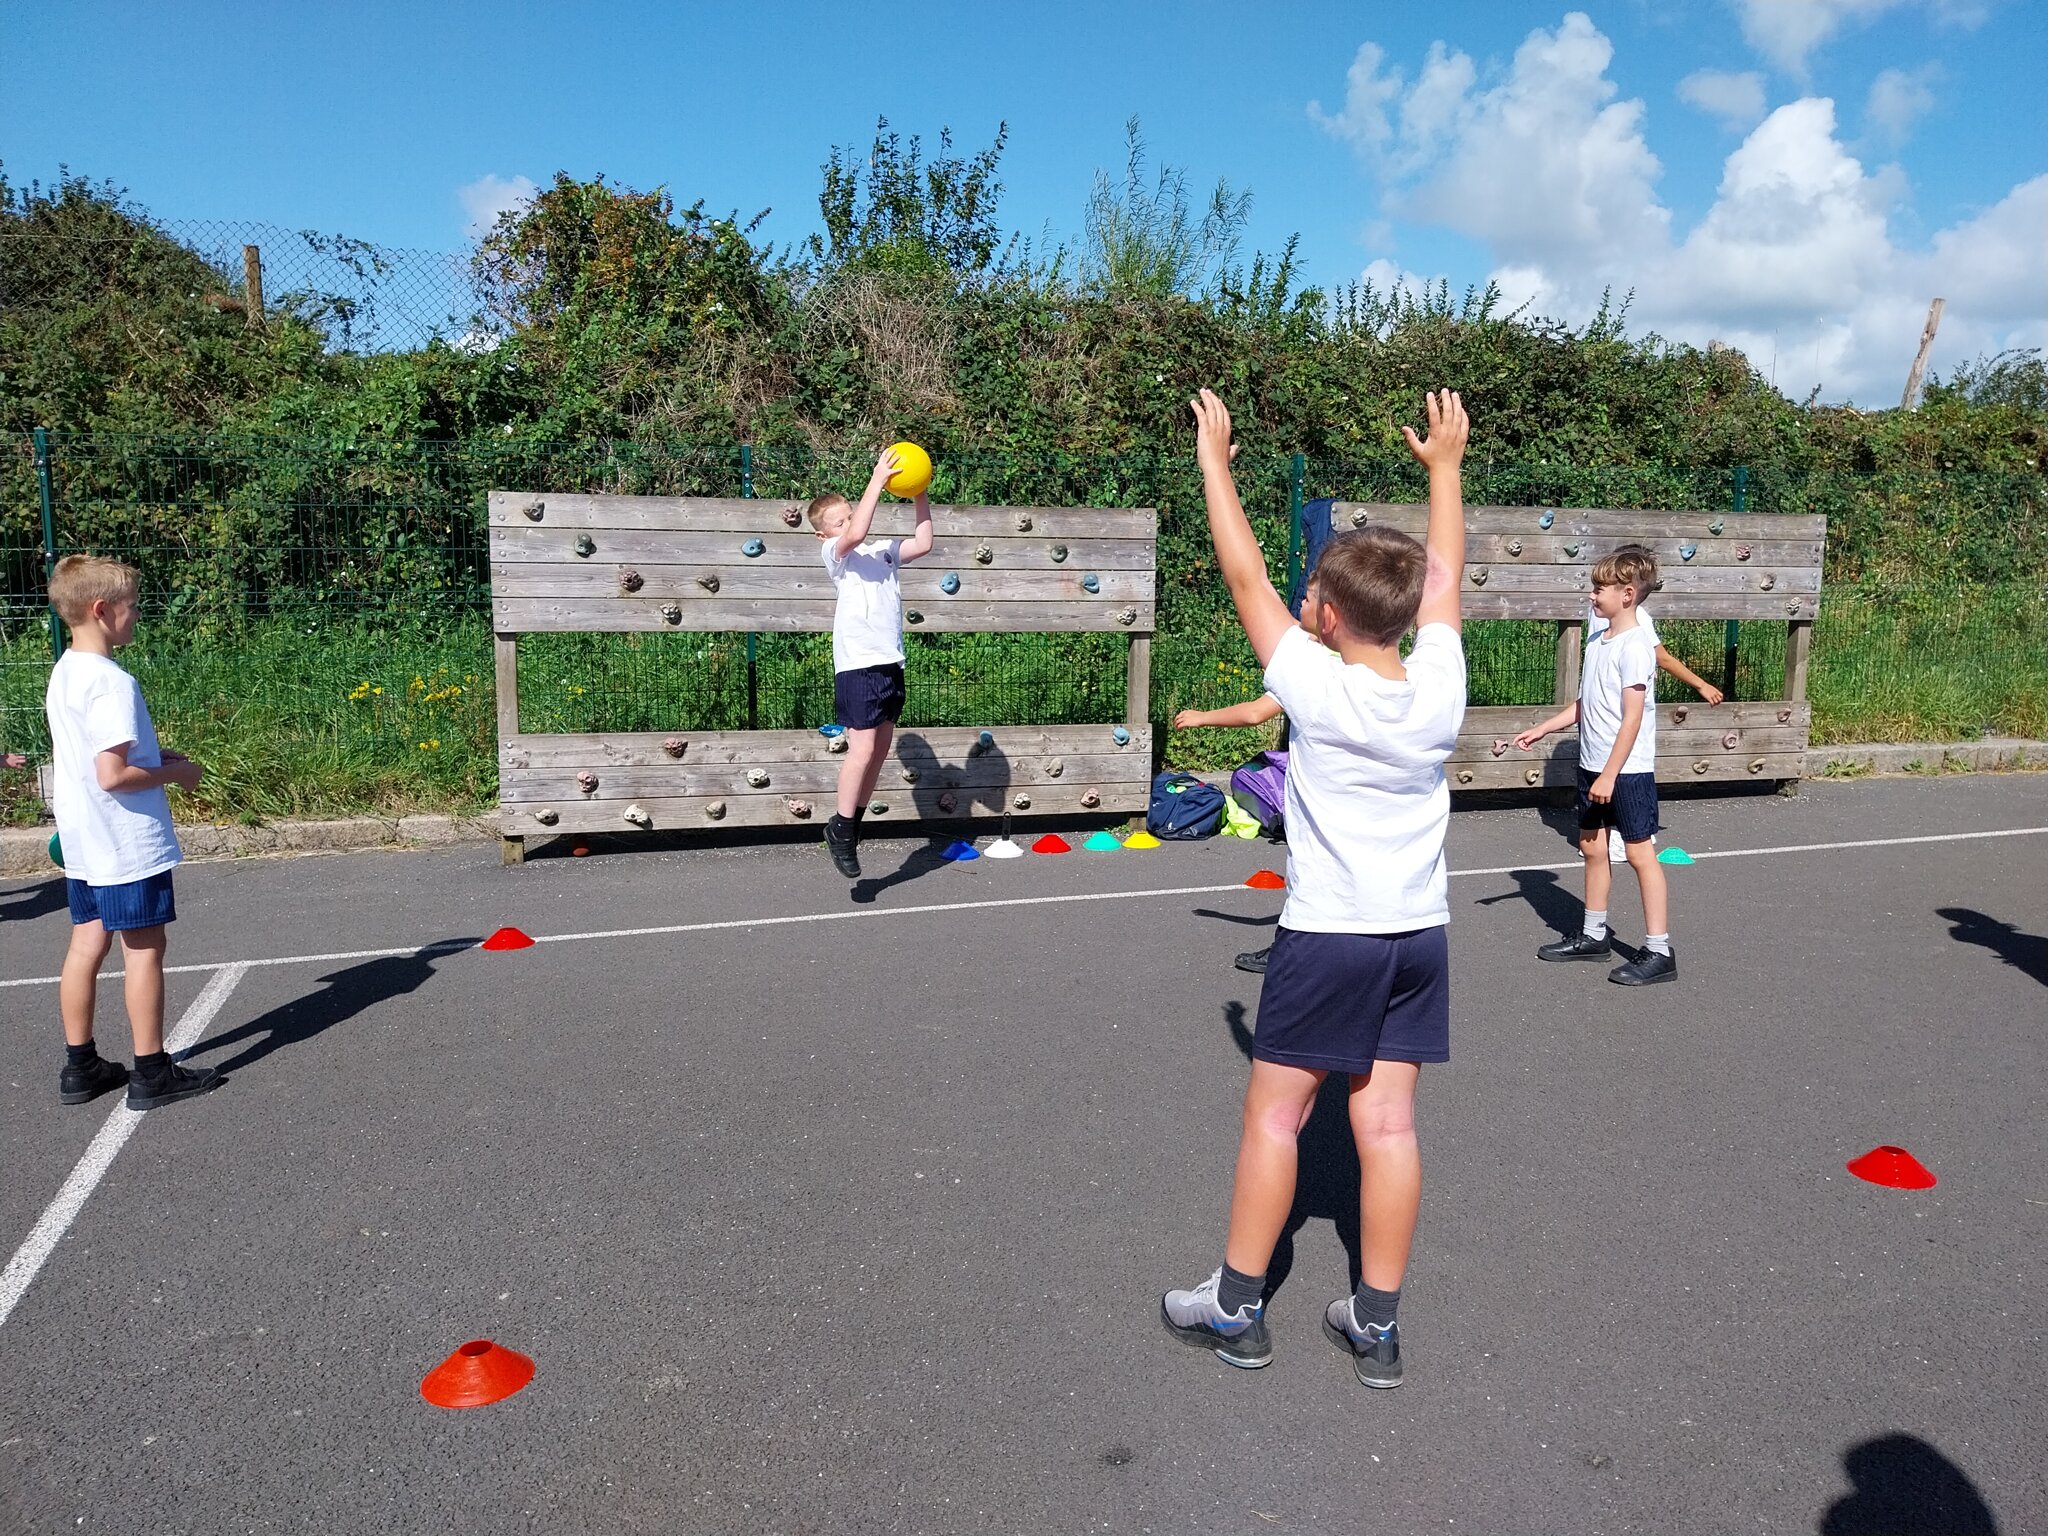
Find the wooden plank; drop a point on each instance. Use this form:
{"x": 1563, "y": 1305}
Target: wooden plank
{"x": 1798, "y": 655}
{"x": 1495, "y": 604}
{"x": 919, "y": 804}
{"x": 1689, "y": 581}
{"x": 576, "y": 751}
{"x": 1552, "y": 550}
{"x": 1492, "y": 720}
{"x": 559, "y": 785}
{"x": 1138, "y": 681}
{"x": 1560, "y": 772}
{"x": 713, "y": 514}
{"x": 1570, "y": 637}
{"x": 1621, "y": 525}
{"x": 922, "y": 584}
{"x": 505, "y": 652}
{"x": 526, "y": 545}
{"x": 611, "y": 615}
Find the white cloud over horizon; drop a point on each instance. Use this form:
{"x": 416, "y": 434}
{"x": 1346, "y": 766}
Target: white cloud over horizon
{"x": 1794, "y": 262}
{"x": 1736, "y": 99}
{"x": 487, "y": 197}
{"x": 1898, "y": 99}
{"x": 1787, "y": 31}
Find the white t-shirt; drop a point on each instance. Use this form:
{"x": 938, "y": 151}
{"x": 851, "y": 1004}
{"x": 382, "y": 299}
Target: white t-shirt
{"x": 109, "y": 839}
{"x": 1595, "y": 625}
{"x": 867, "y": 624}
{"x": 1614, "y": 663}
{"x": 1367, "y": 804}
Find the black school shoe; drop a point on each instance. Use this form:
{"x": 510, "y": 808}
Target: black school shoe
{"x": 1254, "y": 960}
{"x": 1580, "y": 946}
{"x": 83, "y": 1084}
{"x": 842, "y": 838}
{"x": 169, "y": 1087}
{"x": 1375, "y": 1354}
{"x": 1646, "y": 970}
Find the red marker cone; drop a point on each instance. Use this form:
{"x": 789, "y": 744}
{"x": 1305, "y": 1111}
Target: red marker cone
{"x": 508, "y": 938}
{"x": 580, "y": 851}
{"x": 1893, "y": 1167}
{"x": 1266, "y": 880}
{"x": 479, "y": 1372}
{"x": 1052, "y": 842}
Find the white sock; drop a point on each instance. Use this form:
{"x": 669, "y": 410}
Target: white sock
{"x": 1657, "y": 943}
{"x": 1596, "y": 925}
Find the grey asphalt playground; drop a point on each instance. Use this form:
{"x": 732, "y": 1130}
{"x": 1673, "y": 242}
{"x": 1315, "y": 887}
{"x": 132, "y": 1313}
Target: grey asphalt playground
{"x": 858, "y": 1223}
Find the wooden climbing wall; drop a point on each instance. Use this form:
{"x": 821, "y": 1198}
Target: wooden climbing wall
{"x": 627, "y": 563}
{"x": 1535, "y": 563}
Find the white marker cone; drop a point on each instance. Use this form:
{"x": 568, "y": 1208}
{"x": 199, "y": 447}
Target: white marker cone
{"x": 1002, "y": 847}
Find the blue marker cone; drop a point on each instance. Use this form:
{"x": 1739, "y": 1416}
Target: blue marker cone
{"x": 960, "y": 852}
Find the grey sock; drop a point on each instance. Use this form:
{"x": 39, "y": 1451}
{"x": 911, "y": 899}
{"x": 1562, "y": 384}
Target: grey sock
{"x": 1375, "y": 1307}
{"x": 1658, "y": 943}
{"x": 1235, "y": 1292}
{"x": 1596, "y": 924}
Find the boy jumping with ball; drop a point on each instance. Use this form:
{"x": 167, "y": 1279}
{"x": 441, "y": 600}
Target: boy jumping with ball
{"x": 1358, "y": 978}
{"x": 1616, "y": 713}
{"x": 119, "y": 847}
{"x": 867, "y": 644}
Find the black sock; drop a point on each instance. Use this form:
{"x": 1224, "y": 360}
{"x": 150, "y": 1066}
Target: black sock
{"x": 81, "y": 1055}
{"x": 1375, "y": 1307}
{"x": 155, "y": 1064}
{"x": 1235, "y": 1292}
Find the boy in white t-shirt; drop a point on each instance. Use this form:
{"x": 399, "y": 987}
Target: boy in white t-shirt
{"x": 114, "y": 820}
{"x": 867, "y": 644}
{"x": 1358, "y": 978}
{"x": 1616, "y": 713}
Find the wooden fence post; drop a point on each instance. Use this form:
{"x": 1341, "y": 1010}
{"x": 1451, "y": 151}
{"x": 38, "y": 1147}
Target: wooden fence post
{"x": 512, "y": 850}
{"x": 252, "y": 287}
{"x": 1570, "y": 635}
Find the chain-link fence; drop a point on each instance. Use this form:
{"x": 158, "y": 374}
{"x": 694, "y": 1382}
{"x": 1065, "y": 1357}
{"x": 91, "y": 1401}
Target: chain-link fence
{"x": 316, "y": 623}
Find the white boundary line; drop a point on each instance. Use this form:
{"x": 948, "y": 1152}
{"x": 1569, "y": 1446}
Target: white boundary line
{"x": 58, "y": 1215}
{"x": 453, "y": 946}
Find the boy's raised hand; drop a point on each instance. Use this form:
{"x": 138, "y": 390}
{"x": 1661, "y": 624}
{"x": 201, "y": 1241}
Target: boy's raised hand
{"x": 1449, "y": 429}
{"x": 885, "y": 468}
{"x": 1213, "y": 448}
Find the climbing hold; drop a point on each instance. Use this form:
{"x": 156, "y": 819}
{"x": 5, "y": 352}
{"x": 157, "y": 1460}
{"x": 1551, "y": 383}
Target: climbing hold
{"x": 478, "y": 1373}
{"x": 1102, "y": 842}
{"x": 960, "y": 852}
{"x": 675, "y": 746}
{"x": 587, "y": 782}
{"x": 984, "y": 741}
{"x": 1744, "y": 551}
{"x": 878, "y": 807}
{"x": 800, "y": 809}
{"x": 909, "y": 775}
{"x": 791, "y": 517}
{"x": 1024, "y": 522}
{"x": 1500, "y": 746}
{"x": 1546, "y": 519}
{"x": 1059, "y": 553}
{"x": 1756, "y": 765}
{"x": 586, "y": 546}
{"x": 637, "y": 816}
{"x": 1091, "y": 583}
{"x": 1464, "y": 775}
{"x": 1021, "y": 801}
{"x": 1687, "y": 551}
{"x": 835, "y": 744}
{"x": 1674, "y": 856}
{"x": 1533, "y": 776}
{"x": 517, "y": 759}
{"x": 1127, "y": 615}
{"x": 547, "y": 816}
{"x": 535, "y": 511}
{"x": 1893, "y": 1167}
{"x": 1052, "y": 842}
{"x": 912, "y": 616}
{"x": 1766, "y": 581}
{"x": 1142, "y": 840}
{"x": 1571, "y": 551}
{"x": 753, "y": 549}
{"x": 715, "y": 809}
{"x": 948, "y": 801}
{"x": 1120, "y": 736}
{"x": 508, "y": 938}
{"x": 1792, "y": 608}
{"x": 1267, "y": 880}
{"x": 1700, "y": 766}
{"x": 950, "y": 583}
{"x": 758, "y": 777}
{"x": 1479, "y": 576}
{"x": 1514, "y": 546}
{"x": 1729, "y": 741}
{"x": 631, "y": 580}
{"x": 1091, "y": 798}
{"x": 1678, "y": 715}
{"x": 708, "y": 583}
{"x": 1784, "y": 717}
{"x": 1055, "y": 768}
{"x": 1715, "y": 527}
{"x": 1358, "y": 517}
{"x": 983, "y": 554}
{"x": 672, "y": 613}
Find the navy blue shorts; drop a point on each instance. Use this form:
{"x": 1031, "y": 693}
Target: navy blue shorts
{"x": 1633, "y": 808}
{"x": 1338, "y": 1002}
{"x": 864, "y": 697}
{"x": 123, "y": 908}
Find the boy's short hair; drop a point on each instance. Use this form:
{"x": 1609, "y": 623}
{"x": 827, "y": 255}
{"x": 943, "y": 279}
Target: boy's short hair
{"x": 1632, "y": 565}
{"x": 820, "y": 504}
{"x": 79, "y": 581}
{"x": 1373, "y": 577}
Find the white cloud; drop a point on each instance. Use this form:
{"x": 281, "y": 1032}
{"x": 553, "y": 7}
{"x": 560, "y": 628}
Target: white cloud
{"x": 1363, "y": 118}
{"x": 1736, "y": 99}
{"x": 1898, "y": 99}
{"x": 487, "y": 197}
{"x": 1786, "y": 31}
{"x": 1794, "y": 259}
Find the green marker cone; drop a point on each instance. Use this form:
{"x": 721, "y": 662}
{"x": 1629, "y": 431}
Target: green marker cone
{"x": 1675, "y": 856}
{"x": 1102, "y": 842}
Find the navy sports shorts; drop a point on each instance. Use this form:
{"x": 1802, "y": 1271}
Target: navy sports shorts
{"x": 1338, "y": 1002}
{"x": 864, "y": 697}
{"x": 1633, "y": 808}
{"x": 123, "y": 908}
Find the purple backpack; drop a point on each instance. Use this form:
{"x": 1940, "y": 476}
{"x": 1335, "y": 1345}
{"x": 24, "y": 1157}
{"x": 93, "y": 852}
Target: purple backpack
{"x": 1260, "y": 789}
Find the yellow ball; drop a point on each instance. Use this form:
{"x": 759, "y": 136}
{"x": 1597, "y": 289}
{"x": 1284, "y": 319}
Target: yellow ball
{"x": 913, "y": 471}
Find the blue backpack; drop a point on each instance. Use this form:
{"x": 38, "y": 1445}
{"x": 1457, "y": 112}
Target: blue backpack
{"x": 1184, "y": 808}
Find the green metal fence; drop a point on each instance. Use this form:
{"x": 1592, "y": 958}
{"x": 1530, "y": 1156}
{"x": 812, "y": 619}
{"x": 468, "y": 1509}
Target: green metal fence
{"x": 316, "y": 614}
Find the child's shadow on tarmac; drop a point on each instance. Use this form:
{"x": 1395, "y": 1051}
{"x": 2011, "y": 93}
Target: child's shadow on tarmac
{"x": 346, "y": 993}
{"x": 921, "y": 861}
{"x": 1326, "y": 1186}
{"x": 33, "y": 901}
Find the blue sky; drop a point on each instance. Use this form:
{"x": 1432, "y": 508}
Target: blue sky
{"x": 1797, "y": 175}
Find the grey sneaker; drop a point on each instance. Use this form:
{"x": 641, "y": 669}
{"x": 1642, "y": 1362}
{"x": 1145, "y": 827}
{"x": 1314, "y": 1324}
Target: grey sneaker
{"x": 1236, "y": 1338}
{"x": 1375, "y": 1353}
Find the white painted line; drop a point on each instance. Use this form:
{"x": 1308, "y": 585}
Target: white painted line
{"x": 57, "y": 1217}
{"x": 451, "y": 946}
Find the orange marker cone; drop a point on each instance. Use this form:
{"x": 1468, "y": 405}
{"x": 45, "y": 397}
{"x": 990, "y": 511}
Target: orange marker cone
{"x": 508, "y": 938}
{"x": 1266, "y": 880}
{"x": 479, "y": 1372}
{"x": 1893, "y": 1167}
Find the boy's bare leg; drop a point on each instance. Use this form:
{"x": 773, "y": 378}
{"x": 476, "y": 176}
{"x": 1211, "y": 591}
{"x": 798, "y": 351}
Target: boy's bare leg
{"x": 855, "y": 775}
{"x": 1277, "y": 1104}
{"x": 143, "y": 950}
{"x": 78, "y": 987}
{"x": 1599, "y": 876}
{"x": 1642, "y": 858}
{"x": 871, "y": 768}
{"x": 1390, "y": 1167}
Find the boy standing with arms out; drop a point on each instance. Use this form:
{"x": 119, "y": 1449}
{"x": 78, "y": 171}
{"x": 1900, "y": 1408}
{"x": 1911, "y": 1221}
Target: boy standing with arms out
{"x": 115, "y": 824}
{"x": 1616, "y": 714}
{"x": 867, "y": 644}
{"x": 1358, "y": 981}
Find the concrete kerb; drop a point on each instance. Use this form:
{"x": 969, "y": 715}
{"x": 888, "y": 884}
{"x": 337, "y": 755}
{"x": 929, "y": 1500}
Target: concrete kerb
{"x": 24, "y": 850}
